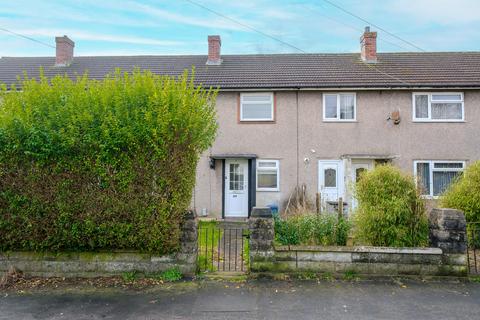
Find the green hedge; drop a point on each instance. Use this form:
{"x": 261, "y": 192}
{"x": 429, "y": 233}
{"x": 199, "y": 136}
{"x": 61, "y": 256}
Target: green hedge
{"x": 311, "y": 229}
{"x": 464, "y": 194}
{"x": 390, "y": 210}
{"x": 93, "y": 165}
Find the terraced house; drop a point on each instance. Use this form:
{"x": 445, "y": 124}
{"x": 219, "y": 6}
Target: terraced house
{"x": 317, "y": 120}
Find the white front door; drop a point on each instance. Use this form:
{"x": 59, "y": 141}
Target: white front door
{"x": 236, "y": 188}
{"x": 357, "y": 170}
{"x": 331, "y": 181}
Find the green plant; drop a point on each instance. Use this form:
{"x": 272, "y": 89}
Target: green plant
{"x": 350, "y": 275}
{"x": 464, "y": 193}
{"x": 130, "y": 276}
{"x": 311, "y": 229}
{"x": 390, "y": 211}
{"x": 172, "y": 274}
{"x": 110, "y": 164}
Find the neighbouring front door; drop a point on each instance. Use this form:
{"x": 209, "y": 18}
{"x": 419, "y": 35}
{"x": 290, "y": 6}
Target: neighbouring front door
{"x": 357, "y": 170}
{"x": 236, "y": 188}
{"x": 331, "y": 182}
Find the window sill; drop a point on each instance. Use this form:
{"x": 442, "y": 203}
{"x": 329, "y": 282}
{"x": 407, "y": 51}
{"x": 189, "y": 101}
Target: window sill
{"x": 340, "y": 121}
{"x": 256, "y": 121}
{"x": 268, "y": 190}
{"x": 439, "y": 121}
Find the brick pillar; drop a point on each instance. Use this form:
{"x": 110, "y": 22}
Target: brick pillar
{"x": 262, "y": 234}
{"x": 188, "y": 242}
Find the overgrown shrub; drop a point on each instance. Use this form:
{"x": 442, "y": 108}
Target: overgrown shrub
{"x": 110, "y": 164}
{"x": 390, "y": 210}
{"x": 464, "y": 194}
{"x": 311, "y": 229}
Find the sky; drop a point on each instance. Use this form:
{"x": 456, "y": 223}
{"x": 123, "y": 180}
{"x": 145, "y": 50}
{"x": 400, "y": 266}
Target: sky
{"x": 136, "y": 27}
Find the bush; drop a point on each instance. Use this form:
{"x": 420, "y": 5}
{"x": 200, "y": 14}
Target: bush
{"x": 110, "y": 164}
{"x": 464, "y": 194}
{"x": 390, "y": 210}
{"x": 311, "y": 229}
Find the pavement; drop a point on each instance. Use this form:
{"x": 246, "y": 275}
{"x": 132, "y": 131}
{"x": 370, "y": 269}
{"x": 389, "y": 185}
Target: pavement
{"x": 255, "y": 299}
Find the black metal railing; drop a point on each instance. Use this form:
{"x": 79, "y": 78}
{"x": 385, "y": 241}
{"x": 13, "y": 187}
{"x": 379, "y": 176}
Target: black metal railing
{"x": 222, "y": 249}
{"x": 473, "y": 247}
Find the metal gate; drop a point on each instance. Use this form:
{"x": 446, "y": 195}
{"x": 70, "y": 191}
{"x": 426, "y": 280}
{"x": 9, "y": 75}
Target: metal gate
{"x": 222, "y": 248}
{"x": 473, "y": 247}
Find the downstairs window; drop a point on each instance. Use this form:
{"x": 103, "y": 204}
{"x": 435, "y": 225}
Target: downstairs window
{"x": 434, "y": 177}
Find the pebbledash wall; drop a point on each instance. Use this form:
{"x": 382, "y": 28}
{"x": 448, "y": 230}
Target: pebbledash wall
{"x": 299, "y": 128}
{"x": 447, "y": 257}
{"x": 96, "y": 264}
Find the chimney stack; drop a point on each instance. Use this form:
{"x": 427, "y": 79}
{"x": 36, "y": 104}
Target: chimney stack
{"x": 368, "y": 42}
{"x": 64, "y": 51}
{"x": 214, "y": 45}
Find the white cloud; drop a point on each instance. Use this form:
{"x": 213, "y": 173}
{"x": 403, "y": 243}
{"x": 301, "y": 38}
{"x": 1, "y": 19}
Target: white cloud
{"x": 442, "y": 12}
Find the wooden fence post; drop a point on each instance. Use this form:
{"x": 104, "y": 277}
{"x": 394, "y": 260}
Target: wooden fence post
{"x": 340, "y": 207}
{"x": 318, "y": 203}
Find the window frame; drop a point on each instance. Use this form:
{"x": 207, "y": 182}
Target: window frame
{"x": 337, "y": 119}
{"x": 429, "y": 110}
{"x": 272, "y": 106}
{"x": 432, "y": 169}
{"x": 258, "y": 169}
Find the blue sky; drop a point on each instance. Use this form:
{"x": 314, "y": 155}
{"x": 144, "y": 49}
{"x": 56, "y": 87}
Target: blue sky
{"x": 131, "y": 27}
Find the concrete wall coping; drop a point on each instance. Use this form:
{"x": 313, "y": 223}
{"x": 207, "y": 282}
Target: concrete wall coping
{"x": 361, "y": 249}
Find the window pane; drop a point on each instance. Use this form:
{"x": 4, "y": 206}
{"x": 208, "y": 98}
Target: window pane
{"x": 267, "y": 179}
{"x": 236, "y": 177}
{"x": 421, "y": 106}
{"x": 448, "y": 97}
{"x": 330, "y": 178}
{"x": 358, "y": 173}
{"x": 423, "y": 178}
{"x": 257, "y": 98}
{"x": 446, "y": 111}
{"x": 456, "y": 165}
{"x": 331, "y": 106}
{"x": 441, "y": 181}
{"x": 267, "y": 164}
{"x": 262, "y": 111}
{"x": 347, "y": 108}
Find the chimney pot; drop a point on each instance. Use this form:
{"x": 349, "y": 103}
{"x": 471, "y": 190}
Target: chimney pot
{"x": 368, "y": 43}
{"x": 64, "y": 51}
{"x": 214, "y": 46}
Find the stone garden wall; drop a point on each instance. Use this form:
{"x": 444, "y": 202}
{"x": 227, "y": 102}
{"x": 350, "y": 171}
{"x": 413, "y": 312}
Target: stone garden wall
{"x": 96, "y": 264}
{"x": 446, "y": 257}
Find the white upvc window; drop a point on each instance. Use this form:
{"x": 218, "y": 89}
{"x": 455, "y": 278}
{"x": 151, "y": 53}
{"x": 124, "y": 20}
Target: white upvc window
{"x": 339, "y": 107}
{"x": 268, "y": 175}
{"x": 438, "y": 107}
{"x": 256, "y": 106}
{"x": 434, "y": 177}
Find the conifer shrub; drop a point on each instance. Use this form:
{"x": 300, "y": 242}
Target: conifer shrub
{"x": 100, "y": 164}
{"x": 390, "y": 210}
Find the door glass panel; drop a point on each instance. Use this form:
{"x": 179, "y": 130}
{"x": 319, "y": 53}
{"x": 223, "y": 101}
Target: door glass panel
{"x": 358, "y": 173}
{"x": 236, "y": 177}
{"x": 330, "y": 180}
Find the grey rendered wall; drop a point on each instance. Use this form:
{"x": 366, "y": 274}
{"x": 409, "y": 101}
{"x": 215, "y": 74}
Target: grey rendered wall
{"x": 370, "y": 134}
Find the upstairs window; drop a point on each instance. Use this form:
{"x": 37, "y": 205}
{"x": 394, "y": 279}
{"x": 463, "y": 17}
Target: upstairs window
{"x": 438, "y": 107}
{"x": 256, "y": 107}
{"x": 268, "y": 175}
{"x": 339, "y": 107}
{"x": 434, "y": 177}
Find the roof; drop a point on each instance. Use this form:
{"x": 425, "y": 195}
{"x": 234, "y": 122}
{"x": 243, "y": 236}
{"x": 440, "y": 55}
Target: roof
{"x": 278, "y": 71}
